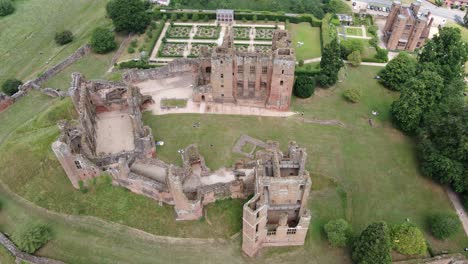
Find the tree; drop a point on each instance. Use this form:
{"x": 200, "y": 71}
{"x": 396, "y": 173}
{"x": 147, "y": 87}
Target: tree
{"x": 373, "y": 245}
{"x": 407, "y": 239}
{"x": 31, "y": 236}
{"x": 352, "y": 95}
{"x": 304, "y": 86}
{"x": 330, "y": 64}
{"x": 446, "y": 53}
{"x": 444, "y": 225}
{"x": 254, "y": 18}
{"x": 128, "y": 15}
{"x": 465, "y": 19}
{"x": 195, "y": 17}
{"x": 184, "y": 17}
{"x": 398, "y": 71}
{"x": 382, "y": 54}
{"x": 301, "y": 63}
{"x": 338, "y": 232}
{"x": 355, "y": 58}
{"x": 10, "y": 86}
{"x": 102, "y": 40}
{"x": 64, "y": 37}
{"x": 173, "y": 17}
{"x": 6, "y": 7}
{"x": 418, "y": 95}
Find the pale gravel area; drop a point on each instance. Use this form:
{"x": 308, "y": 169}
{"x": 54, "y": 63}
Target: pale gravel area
{"x": 114, "y": 133}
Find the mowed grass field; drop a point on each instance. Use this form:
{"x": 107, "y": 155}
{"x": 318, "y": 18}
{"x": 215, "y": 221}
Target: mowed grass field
{"x": 303, "y": 32}
{"x": 27, "y": 46}
{"x": 360, "y": 173}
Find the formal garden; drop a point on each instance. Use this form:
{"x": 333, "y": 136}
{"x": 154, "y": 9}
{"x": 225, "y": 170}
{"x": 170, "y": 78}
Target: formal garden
{"x": 207, "y": 32}
{"x": 242, "y": 47}
{"x": 242, "y": 33}
{"x": 169, "y": 49}
{"x": 262, "y": 48}
{"x": 197, "y": 47}
{"x": 262, "y": 33}
{"x": 179, "y": 32}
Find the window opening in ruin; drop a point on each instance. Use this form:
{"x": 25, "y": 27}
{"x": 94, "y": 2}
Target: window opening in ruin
{"x": 264, "y": 69}
{"x": 291, "y": 231}
{"x": 222, "y": 86}
{"x": 281, "y": 82}
{"x": 78, "y": 164}
{"x": 298, "y": 201}
{"x": 203, "y": 98}
{"x": 222, "y": 75}
{"x": 221, "y": 62}
{"x": 208, "y": 70}
{"x": 252, "y": 69}
{"x": 240, "y": 69}
{"x": 282, "y": 71}
{"x": 258, "y": 214}
{"x": 222, "y": 95}
{"x": 256, "y": 228}
{"x": 301, "y": 187}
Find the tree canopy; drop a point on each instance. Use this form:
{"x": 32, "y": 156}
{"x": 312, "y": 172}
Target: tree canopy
{"x": 330, "y": 64}
{"x": 6, "y": 7}
{"x": 10, "y": 86}
{"x": 304, "y": 86}
{"x": 338, "y": 232}
{"x": 373, "y": 245}
{"x": 398, "y": 71}
{"x": 407, "y": 239}
{"x": 444, "y": 226}
{"x": 102, "y": 40}
{"x": 129, "y": 15}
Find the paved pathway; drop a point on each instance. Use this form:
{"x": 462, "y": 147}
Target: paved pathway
{"x": 458, "y": 208}
{"x": 159, "y": 42}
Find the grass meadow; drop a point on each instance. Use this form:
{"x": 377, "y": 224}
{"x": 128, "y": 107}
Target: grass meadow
{"x": 303, "y": 32}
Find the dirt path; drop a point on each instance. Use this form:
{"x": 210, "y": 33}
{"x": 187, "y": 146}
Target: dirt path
{"x": 458, "y": 208}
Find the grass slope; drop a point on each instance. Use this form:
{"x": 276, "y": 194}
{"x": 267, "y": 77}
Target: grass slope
{"x": 303, "y": 32}
{"x": 27, "y": 45}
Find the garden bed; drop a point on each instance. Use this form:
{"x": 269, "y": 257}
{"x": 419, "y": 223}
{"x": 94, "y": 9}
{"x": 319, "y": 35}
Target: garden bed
{"x": 169, "y": 49}
{"x": 242, "y": 33}
{"x": 207, "y": 32}
{"x": 168, "y": 103}
{"x": 196, "y": 48}
{"x": 264, "y": 33}
{"x": 178, "y": 32}
{"x": 242, "y": 47}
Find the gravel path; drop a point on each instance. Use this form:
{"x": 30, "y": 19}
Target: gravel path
{"x": 458, "y": 208}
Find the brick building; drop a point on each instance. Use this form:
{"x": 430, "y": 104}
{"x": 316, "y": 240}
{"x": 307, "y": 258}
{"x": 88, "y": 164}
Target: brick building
{"x": 406, "y": 28}
{"x": 249, "y": 78}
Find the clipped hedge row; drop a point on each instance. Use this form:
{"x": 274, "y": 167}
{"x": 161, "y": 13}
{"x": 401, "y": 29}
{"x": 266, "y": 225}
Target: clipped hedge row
{"x": 154, "y": 39}
{"x": 314, "y": 22}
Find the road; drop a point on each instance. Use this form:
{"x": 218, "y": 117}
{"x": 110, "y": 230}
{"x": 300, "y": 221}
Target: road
{"x": 446, "y": 13}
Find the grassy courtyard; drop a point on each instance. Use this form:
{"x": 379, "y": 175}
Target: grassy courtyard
{"x": 353, "y": 31}
{"x": 310, "y": 36}
{"x": 27, "y": 45}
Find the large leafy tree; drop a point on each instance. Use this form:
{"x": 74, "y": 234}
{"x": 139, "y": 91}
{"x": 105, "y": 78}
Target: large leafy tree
{"x": 330, "y": 64}
{"x": 408, "y": 239}
{"x": 304, "y": 86}
{"x": 6, "y": 7}
{"x": 398, "y": 71}
{"x": 102, "y": 40}
{"x": 373, "y": 245}
{"x": 128, "y": 15}
{"x": 418, "y": 95}
{"x": 338, "y": 232}
{"x": 447, "y": 52}
{"x": 10, "y": 86}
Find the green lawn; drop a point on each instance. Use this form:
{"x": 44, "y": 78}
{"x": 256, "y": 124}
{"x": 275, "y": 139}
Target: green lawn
{"x": 27, "y": 45}
{"x": 359, "y": 172}
{"x": 303, "y": 32}
{"x": 353, "y": 31}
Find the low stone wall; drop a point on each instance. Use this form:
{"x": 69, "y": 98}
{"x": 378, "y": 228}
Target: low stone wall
{"x": 174, "y": 68}
{"x": 21, "y": 256}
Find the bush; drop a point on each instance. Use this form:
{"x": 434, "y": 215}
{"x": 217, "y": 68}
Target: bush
{"x": 10, "y": 86}
{"x": 128, "y": 15}
{"x": 131, "y": 50}
{"x": 304, "y": 86}
{"x": 338, "y": 232}
{"x": 301, "y": 63}
{"x": 444, "y": 226}
{"x": 382, "y": 54}
{"x": 195, "y": 17}
{"x": 373, "y": 245}
{"x": 6, "y": 7}
{"x": 102, "y": 40}
{"x": 407, "y": 239}
{"x": 355, "y": 58}
{"x": 352, "y": 95}
{"x": 398, "y": 71}
{"x": 31, "y": 236}
{"x": 64, "y": 37}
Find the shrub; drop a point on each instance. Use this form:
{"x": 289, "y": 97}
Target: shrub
{"x": 184, "y": 17}
{"x": 6, "y": 7}
{"x": 128, "y": 15}
{"x": 102, "y": 40}
{"x": 10, "y": 86}
{"x": 195, "y": 17}
{"x": 373, "y": 245}
{"x": 301, "y": 63}
{"x": 64, "y": 37}
{"x": 445, "y": 225}
{"x": 131, "y": 50}
{"x": 173, "y": 18}
{"x": 382, "y": 54}
{"x": 398, "y": 71}
{"x": 355, "y": 58}
{"x": 407, "y": 239}
{"x": 352, "y": 95}
{"x": 373, "y": 30}
{"x": 31, "y": 236}
{"x": 206, "y": 18}
{"x": 338, "y": 232}
{"x": 304, "y": 86}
